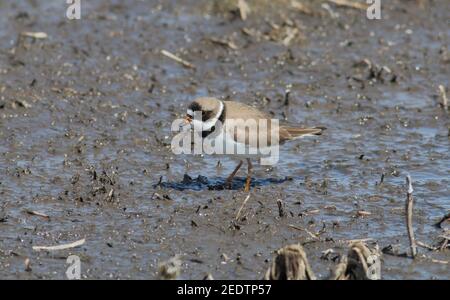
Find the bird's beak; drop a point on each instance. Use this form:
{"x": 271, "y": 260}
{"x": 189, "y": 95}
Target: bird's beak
{"x": 187, "y": 120}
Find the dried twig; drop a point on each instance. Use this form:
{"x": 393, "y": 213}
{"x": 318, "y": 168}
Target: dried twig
{"x": 37, "y": 213}
{"x": 60, "y": 247}
{"x": 409, "y": 212}
{"x": 301, "y": 7}
{"x": 444, "y": 243}
{"x": 313, "y": 235}
{"x": 244, "y": 9}
{"x": 444, "y": 262}
{"x": 351, "y": 4}
{"x": 426, "y": 246}
{"x": 177, "y": 59}
{"x": 35, "y": 35}
{"x": 225, "y": 43}
{"x": 437, "y": 261}
{"x": 281, "y": 211}
{"x": 357, "y": 240}
{"x": 242, "y": 206}
{"x": 444, "y": 97}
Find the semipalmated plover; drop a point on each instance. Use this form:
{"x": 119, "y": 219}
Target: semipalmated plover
{"x": 247, "y": 131}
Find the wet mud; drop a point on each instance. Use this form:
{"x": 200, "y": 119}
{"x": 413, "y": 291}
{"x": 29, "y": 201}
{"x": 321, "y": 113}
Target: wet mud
{"x": 85, "y": 131}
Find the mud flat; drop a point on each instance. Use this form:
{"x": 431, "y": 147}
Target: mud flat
{"x": 85, "y": 114}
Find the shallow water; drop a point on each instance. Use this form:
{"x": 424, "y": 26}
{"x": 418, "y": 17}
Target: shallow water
{"x": 104, "y": 98}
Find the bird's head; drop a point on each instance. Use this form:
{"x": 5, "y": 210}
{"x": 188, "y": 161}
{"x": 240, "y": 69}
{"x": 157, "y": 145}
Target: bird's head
{"x": 203, "y": 113}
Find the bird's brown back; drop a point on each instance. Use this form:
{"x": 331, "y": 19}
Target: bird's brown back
{"x": 237, "y": 110}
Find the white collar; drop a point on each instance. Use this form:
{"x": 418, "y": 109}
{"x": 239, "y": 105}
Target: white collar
{"x": 207, "y": 125}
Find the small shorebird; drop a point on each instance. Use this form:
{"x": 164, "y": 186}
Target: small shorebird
{"x": 213, "y": 111}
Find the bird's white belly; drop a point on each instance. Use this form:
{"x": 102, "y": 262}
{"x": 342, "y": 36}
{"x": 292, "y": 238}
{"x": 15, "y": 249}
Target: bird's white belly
{"x": 224, "y": 144}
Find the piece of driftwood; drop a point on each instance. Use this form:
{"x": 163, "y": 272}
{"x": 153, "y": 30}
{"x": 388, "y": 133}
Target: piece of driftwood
{"x": 290, "y": 263}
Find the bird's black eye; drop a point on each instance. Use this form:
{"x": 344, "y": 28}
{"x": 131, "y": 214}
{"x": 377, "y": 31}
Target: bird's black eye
{"x": 195, "y": 107}
{"x": 206, "y": 115}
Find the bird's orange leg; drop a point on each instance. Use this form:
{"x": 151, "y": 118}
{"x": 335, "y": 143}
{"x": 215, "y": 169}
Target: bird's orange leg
{"x": 229, "y": 181}
{"x": 249, "y": 175}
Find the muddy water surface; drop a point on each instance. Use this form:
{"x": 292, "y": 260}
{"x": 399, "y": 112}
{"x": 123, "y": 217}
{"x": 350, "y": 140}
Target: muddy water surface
{"x": 85, "y": 119}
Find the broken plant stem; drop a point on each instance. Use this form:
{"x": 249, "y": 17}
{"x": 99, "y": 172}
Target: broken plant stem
{"x": 409, "y": 213}
{"x": 350, "y": 4}
{"x": 313, "y": 235}
{"x": 60, "y": 247}
{"x": 177, "y": 59}
{"x": 426, "y": 246}
{"x": 37, "y": 213}
{"x": 281, "y": 211}
{"x": 35, "y": 35}
{"x": 244, "y": 9}
{"x": 444, "y": 97}
{"x": 242, "y": 206}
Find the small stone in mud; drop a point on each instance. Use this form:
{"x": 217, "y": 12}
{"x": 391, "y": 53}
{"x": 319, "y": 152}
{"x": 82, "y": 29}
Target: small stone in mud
{"x": 363, "y": 213}
{"x": 170, "y": 269}
{"x": 444, "y": 223}
{"x": 3, "y": 217}
{"x": 224, "y": 258}
{"x": 27, "y": 265}
{"x": 326, "y": 254}
{"x": 75, "y": 178}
